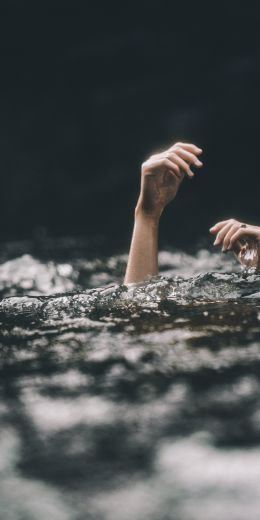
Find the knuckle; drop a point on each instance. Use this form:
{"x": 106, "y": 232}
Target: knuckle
{"x": 146, "y": 166}
{"x": 165, "y": 162}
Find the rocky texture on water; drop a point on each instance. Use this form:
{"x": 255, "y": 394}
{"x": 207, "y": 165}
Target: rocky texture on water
{"x": 129, "y": 402}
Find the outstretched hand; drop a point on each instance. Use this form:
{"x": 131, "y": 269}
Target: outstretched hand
{"x": 230, "y": 232}
{"x": 162, "y": 175}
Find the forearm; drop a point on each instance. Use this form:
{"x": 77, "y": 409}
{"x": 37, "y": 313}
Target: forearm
{"x": 143, "y": 255}
{"x": 161, "y": 177}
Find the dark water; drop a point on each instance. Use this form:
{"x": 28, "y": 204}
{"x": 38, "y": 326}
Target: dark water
{"x": 128, "y": 404}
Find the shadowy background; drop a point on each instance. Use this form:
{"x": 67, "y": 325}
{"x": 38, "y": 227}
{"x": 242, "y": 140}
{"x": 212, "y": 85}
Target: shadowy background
{"x": 89, "y": 89}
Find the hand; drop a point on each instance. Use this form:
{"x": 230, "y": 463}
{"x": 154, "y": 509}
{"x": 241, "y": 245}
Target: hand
{"x": 162, "y": 175}
{"x": 230, "y": 232}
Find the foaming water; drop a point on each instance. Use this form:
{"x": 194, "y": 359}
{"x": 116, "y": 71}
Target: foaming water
{"x": 129, "y": 402}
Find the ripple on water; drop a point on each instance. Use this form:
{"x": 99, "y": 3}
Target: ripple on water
{"x": 129, "y": 402}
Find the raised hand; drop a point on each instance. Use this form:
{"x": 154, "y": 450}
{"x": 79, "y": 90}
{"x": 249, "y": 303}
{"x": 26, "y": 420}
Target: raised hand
{"x": 162, "y": 175}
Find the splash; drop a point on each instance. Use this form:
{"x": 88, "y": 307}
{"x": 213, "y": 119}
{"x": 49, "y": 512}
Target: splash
{"x": 54, "y": 291}
{"x": 129, "y": 402}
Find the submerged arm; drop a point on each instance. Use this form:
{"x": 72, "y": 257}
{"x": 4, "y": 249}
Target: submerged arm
{"x": 161, "y": 177}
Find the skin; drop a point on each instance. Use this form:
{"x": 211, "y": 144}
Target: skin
{"x": 229, "y": 232}
{"x": 230, "y": 236}
{"x": 161, "y": 177}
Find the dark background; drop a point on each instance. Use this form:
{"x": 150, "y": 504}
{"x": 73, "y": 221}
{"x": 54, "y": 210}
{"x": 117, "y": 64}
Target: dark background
{"x": 89, "y": 89}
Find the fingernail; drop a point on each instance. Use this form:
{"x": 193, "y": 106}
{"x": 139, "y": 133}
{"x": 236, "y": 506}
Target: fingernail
{"x": 224, "y": 250}
{"x": 198, "y": 163}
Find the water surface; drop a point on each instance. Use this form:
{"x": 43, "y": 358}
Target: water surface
{"x": 128, "y": 403}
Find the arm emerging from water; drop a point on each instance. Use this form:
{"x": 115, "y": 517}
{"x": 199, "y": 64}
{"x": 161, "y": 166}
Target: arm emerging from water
{"x": 161, "y": 177}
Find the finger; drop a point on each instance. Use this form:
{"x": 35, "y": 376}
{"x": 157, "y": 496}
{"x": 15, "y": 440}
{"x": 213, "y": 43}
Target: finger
{"x": 169, "y": 166}
{"x": 181, "y": 163}
{"x": 161, "y": 161}
{"x": 230, "y": 233}
{"x": 241, "y": 232}
{"x": 189, "y": 157}
{"x": 214, "y": 229}
{"x": 190, "y": 147}
{"x": 178, "y": 177}
{"x": 222, "y": 233}
{"x": 175, "y": 169}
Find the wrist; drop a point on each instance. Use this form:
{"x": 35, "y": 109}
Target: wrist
{"x": 151, "y": 219}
